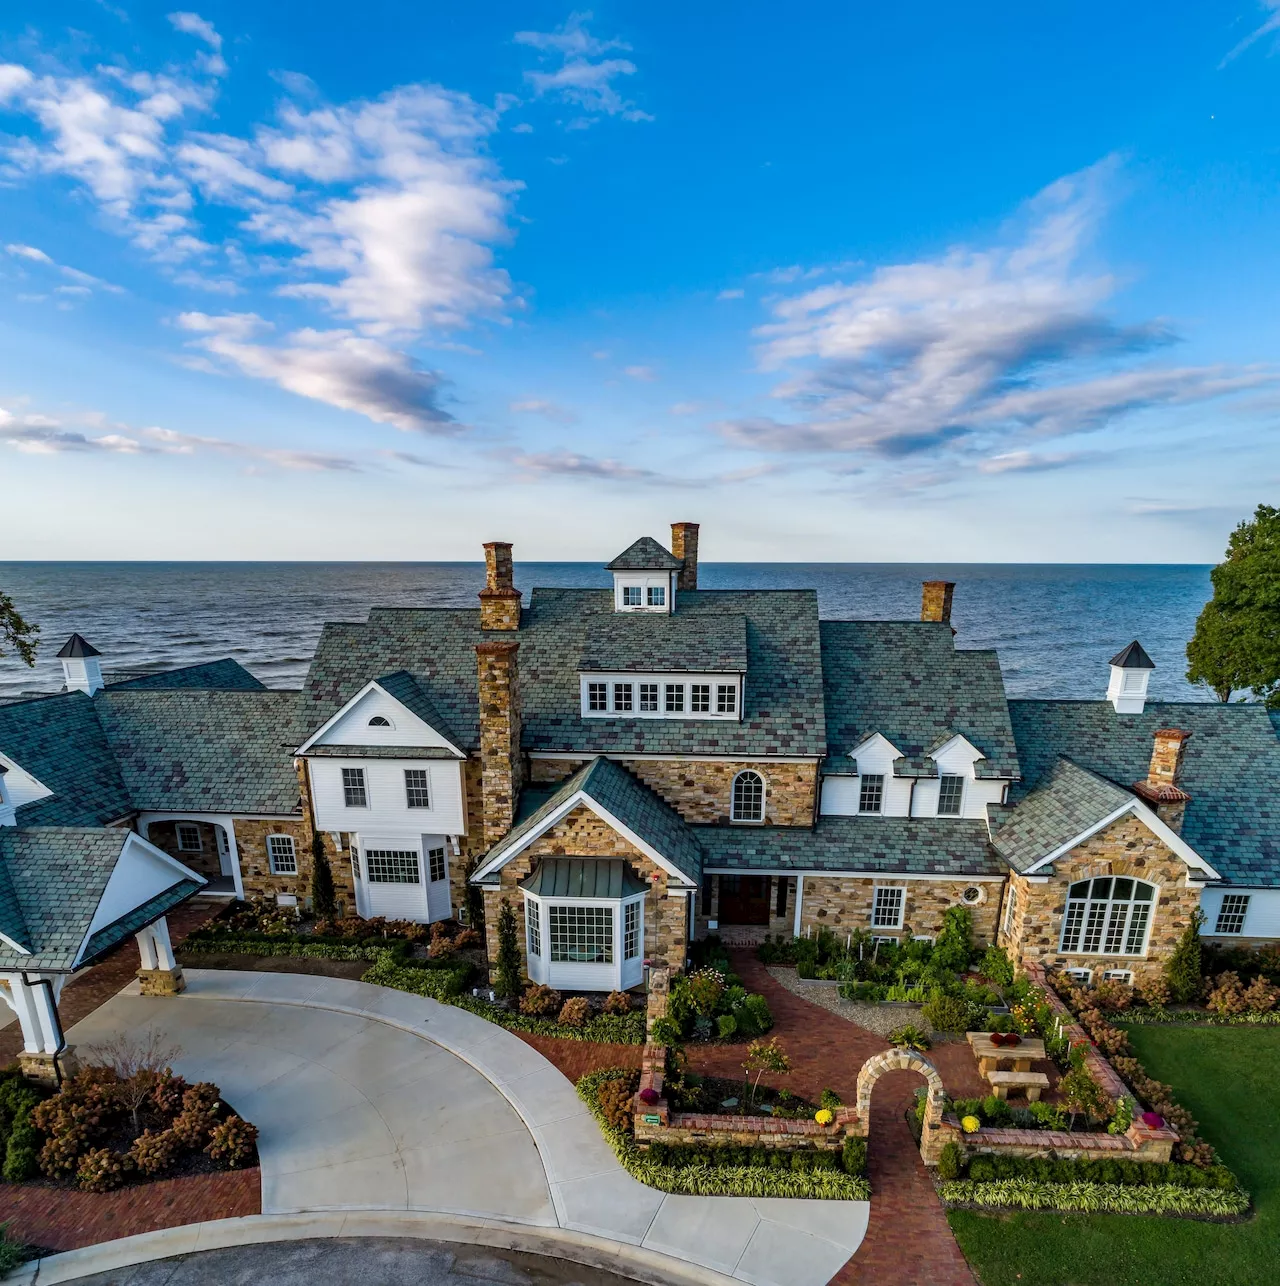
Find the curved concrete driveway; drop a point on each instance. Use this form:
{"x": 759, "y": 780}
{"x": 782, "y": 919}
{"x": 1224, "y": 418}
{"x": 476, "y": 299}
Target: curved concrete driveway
{"x": 373, "y": 1099}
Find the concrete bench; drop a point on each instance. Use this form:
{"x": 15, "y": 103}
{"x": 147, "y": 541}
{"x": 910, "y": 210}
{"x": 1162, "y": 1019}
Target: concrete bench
{"x": 1033, "y": 1082}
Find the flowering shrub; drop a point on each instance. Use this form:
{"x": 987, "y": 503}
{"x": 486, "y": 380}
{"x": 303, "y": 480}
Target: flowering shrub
{"x": 101, "y": 1170}
{"x": 970, "y": 1124}
{"x": 231, "y": 1142}
{"x": 706, "y": 986}
{"x": 1227, "y": 995}
{"x": 155, "y": 1153}
{"x": 649, "y": 1096}
{"x": 574, "y": 1012}
{"x": 540, "y": 1001}
{"x": 617, "y": 1002}
{"x": 615, "y": 1098}
{"x": 824, "y": 1116}
{"x": 1153, "y": 992}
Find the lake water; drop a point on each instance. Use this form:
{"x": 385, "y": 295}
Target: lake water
{"x": 1054, "y": 626}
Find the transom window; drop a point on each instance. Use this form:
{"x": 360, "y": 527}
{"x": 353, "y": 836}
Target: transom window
{"x": 700, "y": 698}
{"x": 726, "y": 698}
{"x": 886, "y": 910}
{"x": 950, "y": 794}
{"x": 1232, "y": 912}
{"x": 581, "y": 934}
{"x": 871, "y": 793}
{"x": 436, "y": 869}
{"x": 597, "y": 696}
{"x": 283, "y": 855}
{"x": 632, "y": 595}
{"x": 649, "y": 698}
{"x": 622, "y": 697}
{"x": 416, "y": 793}
{"x": 748, "y": 797}
{"x": 392, "y": 866}
{"x": 379, "y": 721}
{"x": 631, "y": 931}
{"x": 657, "y": 596}
{"x": 354, "y": 794}
{"x": 1108, "y": 916}
{"x": 189, "y": 837}
{"x": 1010, "y": 909}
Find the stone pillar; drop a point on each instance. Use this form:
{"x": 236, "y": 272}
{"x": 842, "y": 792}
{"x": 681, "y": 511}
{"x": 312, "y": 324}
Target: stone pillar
{"x": 35, "y": 1004}
{"x": 499, "y": 600}
{"x": 501, "y": 766}
{"x": 684, "y": 544}
{"x": 160, "y": 975}
{"x": 935, "y": 602}
{"x": 659, "y": 991}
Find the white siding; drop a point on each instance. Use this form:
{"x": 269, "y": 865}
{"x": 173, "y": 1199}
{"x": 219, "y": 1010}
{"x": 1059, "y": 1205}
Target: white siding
{"x": 20, "y": 785}
{"x": 140, "y": 874}
{"x": 384, "y": 785}
{"x": 352, "y": 727}
{"x": 1262, "y": 920}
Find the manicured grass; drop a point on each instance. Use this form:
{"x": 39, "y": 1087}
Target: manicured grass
{"x": 1226, "y": 1077}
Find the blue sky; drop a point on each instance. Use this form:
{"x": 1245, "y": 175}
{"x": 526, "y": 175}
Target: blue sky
{"x": 842, "y": 282}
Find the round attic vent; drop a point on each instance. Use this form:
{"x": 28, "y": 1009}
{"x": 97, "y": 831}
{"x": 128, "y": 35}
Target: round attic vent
{"x": 973, "y": 895}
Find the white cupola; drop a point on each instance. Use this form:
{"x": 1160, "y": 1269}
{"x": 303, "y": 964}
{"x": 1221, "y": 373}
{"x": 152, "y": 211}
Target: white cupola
{"x": 81, "y": 669}
{"x": 1130, "y": 671}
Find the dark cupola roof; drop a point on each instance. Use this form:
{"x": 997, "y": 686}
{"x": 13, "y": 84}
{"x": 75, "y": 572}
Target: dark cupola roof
{"x": 77, "y": 645}
{"x": 1133, "y": 657}
{"x": 646, "y": 555}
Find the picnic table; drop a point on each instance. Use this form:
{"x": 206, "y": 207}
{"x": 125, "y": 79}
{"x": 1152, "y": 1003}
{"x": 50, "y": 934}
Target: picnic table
{"x": 993, "y": 1058}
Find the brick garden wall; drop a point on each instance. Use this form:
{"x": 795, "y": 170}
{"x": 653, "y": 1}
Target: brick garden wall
{"x": 842, "y": 904}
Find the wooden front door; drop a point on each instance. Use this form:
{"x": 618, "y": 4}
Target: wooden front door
{"x": 744, "y": 899}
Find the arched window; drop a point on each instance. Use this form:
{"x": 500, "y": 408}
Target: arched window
{"x": 748, "y": 797}
{"x": 379, "y": 721}
{"x": 1108, "y": 916}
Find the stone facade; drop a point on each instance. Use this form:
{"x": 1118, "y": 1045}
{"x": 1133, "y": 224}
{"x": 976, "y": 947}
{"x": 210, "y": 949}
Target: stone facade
{"x": 1126, "y": 847}
{"x": 843, "y": 904}
{"x": 255, "y": 862}
{"x": 499, "y": 600}
{"x": 501, "y": 762}
{"x": 205, "y": 861}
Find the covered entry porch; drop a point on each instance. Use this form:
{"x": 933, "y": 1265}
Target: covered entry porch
{"x": 743, "y": 907}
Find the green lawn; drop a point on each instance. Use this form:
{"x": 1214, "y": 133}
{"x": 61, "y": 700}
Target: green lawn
{"x": 1226, "y": 1077}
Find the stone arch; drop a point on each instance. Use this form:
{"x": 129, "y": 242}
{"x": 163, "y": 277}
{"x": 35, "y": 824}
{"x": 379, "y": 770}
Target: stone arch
{"x": 934, "y": 1134}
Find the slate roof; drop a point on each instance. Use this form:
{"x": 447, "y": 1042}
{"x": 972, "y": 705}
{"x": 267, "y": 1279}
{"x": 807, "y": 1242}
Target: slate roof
{"x": 225, "y": 674}
{"x": 405, "y": 688}
{"x": 909, "y": 682}
{"x": 661, "y": 644}
{"x": 576, "y": 877}
{"x": 877, "y": 845}
{"x": 205, "y": 751}
{"x": 1066, "y": 802}
{"x": 56, "y": 877}
{"x": 1230, "y": 768}
{"x": 380, "y": 752}
{"x": 645, "y": 555}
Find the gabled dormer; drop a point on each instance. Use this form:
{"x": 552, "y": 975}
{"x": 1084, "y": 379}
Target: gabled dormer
{"x": 388, "y": 714}
{"x": 645, "y": 578}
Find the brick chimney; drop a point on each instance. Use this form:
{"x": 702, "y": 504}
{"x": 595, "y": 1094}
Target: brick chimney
{"x": 935, "y": 602}
{"x": 501, "y": 766}
{"x": 684, "y": 544}
{"x": 1161, "y": 787}
{"x": 499, "y": 600}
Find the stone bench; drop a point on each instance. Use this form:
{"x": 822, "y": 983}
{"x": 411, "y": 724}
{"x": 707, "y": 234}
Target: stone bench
{"x": 1033, "y": 1082}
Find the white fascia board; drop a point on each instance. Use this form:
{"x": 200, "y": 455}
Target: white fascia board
{"x": 579, "y": 797}
{"x": 14, "y": 946}
{"x": 617, "y": 755}
{"x": 1162, "y": 831}
{"x": 809, "y": 873}
{"x": 372, "y": 686}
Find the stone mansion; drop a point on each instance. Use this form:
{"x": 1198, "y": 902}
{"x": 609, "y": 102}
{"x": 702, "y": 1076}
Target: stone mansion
{"x": 635, "y": 767}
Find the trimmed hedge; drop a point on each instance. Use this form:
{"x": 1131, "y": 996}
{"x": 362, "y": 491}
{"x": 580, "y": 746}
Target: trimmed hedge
{"x": 1088, "y": 1198}
{"x": 1202, "y": 1017}
{"x": 305, "y": 945}
{"x": 1111, "y": 1172}
{"x": 702, "y": 1177}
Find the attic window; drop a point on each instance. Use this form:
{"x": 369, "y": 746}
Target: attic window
{"x": 632, "y": 595}
{"x": 379, "y": 721}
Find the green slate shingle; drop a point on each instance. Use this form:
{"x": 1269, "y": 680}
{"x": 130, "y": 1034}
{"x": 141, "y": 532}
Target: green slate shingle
{"x": 645, "y": 555}
{"x": 662, "y": 644}
{"x": 226, "y": 674}
{"x": 577, "y": 877}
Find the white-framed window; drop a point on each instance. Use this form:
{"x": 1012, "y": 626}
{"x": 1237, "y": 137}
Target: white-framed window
{"x": 597, "y": 696}
{"x": 1010, "y": 909}
{"x": 581, "y": 934}
{"x": 416, "y": 788}
{"x": 1084, "y": 976}
{"x": 675, "y": 698}
{"x": 1232, "y": 912}
{"x": 189, "y": 838}
{"x": 355, "y": 862}
{"x": 887, "y": 906}
{"x": 283, "y": 855}
{"x": 950, "y": 795}
{"x": 380, "y": 721}
{"x": 354, "y": 794}
{"x": 631, "y": 936}
{"x": 748, "y": 797}
{"x": 622, "y": 697}
{"x": 648, "y": 698}
{"x": 879, "y": 937}
{"x": 436, "y": 867}
{"x": 533, "y": 926}
{"x": 392, "y": 866}
{"x": 700, "y": 698}
{"x": 972, "y": 895}
{"x": 726, "y": 698}
{"x": 1107, "y": 916}
{"x": 657, "y": 596}
{"x": 871, "y": 793}
{"x": 637, "y": 695}
{"x": 1118, "y": 975}
{"x": 633, "y": 596}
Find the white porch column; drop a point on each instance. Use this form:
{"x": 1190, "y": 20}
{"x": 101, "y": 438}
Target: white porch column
{"x": 36, "y": 1007}
{"x": 147, "y": 948}
{"x": 160, "y": 974}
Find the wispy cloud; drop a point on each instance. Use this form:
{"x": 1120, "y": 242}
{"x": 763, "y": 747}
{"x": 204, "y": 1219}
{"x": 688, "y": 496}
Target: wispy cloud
{"x": 731, "y": 294}
{"x": 83, "y": 280}
{"x": 1269, "y": 25}
{"x": 572, "y": 464}
{"x": 547, "y": 409}
{"x": 645, "y": 374}
{"x": 1037, "y": 461}
{"x": 194, "y": 25}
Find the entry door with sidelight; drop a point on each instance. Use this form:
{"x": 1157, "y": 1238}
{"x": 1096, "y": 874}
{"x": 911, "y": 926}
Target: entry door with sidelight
{"x": 744, "y": 899}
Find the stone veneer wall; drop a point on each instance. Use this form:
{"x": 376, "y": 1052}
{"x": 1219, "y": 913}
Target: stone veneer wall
{"x": 842, "y": 904}
{"x": 164, "y": 835}
{"x": 701, "y": 790}
{"x": 583, "y": 834}
{"x": 255, "y": 863}
{"x": 1126, "y": 847}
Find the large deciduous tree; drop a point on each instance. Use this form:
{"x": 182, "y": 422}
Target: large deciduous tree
{"x": 1237, "y": 639}
{"x": 15, "y": 632}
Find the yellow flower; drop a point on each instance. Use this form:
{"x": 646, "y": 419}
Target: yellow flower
{"x": 823, "y": 1116}
{"x": 969, "y": 1124}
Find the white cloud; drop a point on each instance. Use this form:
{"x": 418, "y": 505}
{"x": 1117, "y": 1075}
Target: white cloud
{"x": 572, "y": 464}
{"x": 646, "y": 374}
{"x": 1269, "y": 25}
{"x": 13, "y": 80}
{"x": 547, "y": 409}
{"x": 578, "y": 79}
{"x": 1035, "y": 461}
{"x": 28, "y": 252}
{"x": 194, "y": 25}
{"x": 731, "y": 294}
{"x": 523, "y": 128}
{"x": 688, "y": 408}
{"x": 82, "y": 279}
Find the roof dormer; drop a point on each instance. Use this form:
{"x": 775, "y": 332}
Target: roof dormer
{"x": 1130, "y": 673}
{"x": 645, "y": 578}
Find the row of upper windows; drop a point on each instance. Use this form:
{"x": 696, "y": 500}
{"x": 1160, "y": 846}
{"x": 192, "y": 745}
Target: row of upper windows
{"x": 658, "y": 698}
{"x": 355, "y": 789}
{"x": 950, "y": 794}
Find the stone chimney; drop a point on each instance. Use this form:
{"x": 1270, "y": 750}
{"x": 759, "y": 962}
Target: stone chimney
{"x": 81, "y": 668}
{"x": 935, "y": 602}
{"x": 499, "y": 600}
{"x": 501, "y": 766}
{"x": 1161, "y": 787}
{"x": 684, "y": 544}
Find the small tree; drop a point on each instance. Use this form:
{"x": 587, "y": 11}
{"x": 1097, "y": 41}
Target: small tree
{"x": 323, "y": 900}
{"x": 764, "y": 1056}
{"x": 139, "y": 1063}
{"x": 507, "y": 983}
{"x": 16, "y": 632}
{"x": 475, "y": 899}
{"x": 1082, "y": 1094}
{"x": 1182, "y": 970}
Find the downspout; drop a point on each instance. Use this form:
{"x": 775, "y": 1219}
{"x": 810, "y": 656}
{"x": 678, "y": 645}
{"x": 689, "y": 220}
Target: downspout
{"x": 57, "y": 1022}
{"x": 911, "y": 797}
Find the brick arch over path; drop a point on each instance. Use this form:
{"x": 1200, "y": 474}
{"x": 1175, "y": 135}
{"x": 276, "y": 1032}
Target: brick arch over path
{"x": 907, "y": 1060}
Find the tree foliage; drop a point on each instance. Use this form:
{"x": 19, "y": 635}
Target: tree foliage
{"x": 1237, "y": 640}
{"x": 16, "y": 633}
{"x": 1182, "y": 969}
{"x": 324, "y": 901}
{"x": 507, "y": 982}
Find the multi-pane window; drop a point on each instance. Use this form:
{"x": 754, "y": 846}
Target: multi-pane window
{"x": 726, "y": 698}
{"x": 189, "y": 837}
{"x": 379, "y": 721}
{"x": 415, "y": 788}
{"x": 436, "y": 870}
{"x": 581, "y": 934}
{"x": 621, "y": 696}
{"x": 1108, "y": 915}
{"x": 1231, "y": 914}
{"x": 283, "y": 855}
{"x": 748, "y": 797}
{"x": 533, "y": 927}
{"x": 355, "y": 862}
{"x": 648, "y": 698}
{"x": 631, "y": 931}
{"x": 354, "y": 794}
{"x": 700, "y": 698}
{"x": 871, "y": 793}
{"x": 632, "y": 596}
{"x": 675, "y": 698}
{"x": 950, "y": 793}
{"x": 886, "y": 910}
{"x": 1010, "y": 909}
{"x": 597, "y": 696}
{"x": 391, "y": 866}
{"x": 657, "y": 596}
